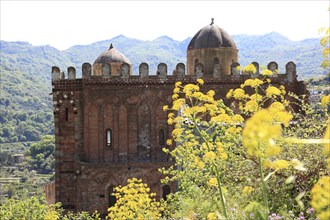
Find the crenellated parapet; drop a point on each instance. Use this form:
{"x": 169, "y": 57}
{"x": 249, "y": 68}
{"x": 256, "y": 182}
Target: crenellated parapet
{"x": 105, "y": 73}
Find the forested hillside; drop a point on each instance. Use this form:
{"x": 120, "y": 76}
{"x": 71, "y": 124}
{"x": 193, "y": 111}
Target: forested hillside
{"x": 263, "y": 49}
{"x": 25, "y": 102}
{"x": 25, "y": 86}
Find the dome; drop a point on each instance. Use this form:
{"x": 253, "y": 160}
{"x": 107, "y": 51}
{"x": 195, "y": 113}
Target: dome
{"x": 211, "y": 36}
{"x": 112, "y": 55}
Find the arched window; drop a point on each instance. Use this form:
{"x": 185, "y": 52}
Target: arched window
{"x": 112, "y": 198}
{"x": 166, "y": 190}
{"x": 108, "y": 135}
{"x": 161, "y": 136}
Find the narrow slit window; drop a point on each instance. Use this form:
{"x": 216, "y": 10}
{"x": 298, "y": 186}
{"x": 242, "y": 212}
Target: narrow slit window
{"x": 161, "y": 137}
{"x": 108, "y": 137}
{"x": 112, "y": 198}
{"x": 66, "y": 114}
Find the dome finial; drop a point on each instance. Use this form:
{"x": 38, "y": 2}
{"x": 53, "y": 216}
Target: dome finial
{"x": 110, "y": 46}
{"x": 212, "y": 21}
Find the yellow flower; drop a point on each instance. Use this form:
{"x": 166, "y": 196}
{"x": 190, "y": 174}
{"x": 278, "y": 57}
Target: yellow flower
{"x": 251, "y": 106}
{"x": 283, "y": 117}
{"x": 213, "y": 182}
{"x": 170, "y": 121}
{"x": 212, "y": 216}
{"x": 220, "y": 150}
{"x": 325, "y": 100}
{"x": 165, "y": 108}
{"x": 282, "y": 88}
{"x": 211, "y": 93}
{"x": 326, "y": 148}
{"x": 276, "y": 107}
{"x": 177, "y": 84}
{"x": 237, "y": 118}
{"x": 320, "y": 194}
{"x": 253, "y": 82}
{"x": 169, "y": 142}
{"x": 250, "y": 69}
{"x": 209, "y": 155}
{"x": 177, "y": 132}
{"x": 231, "y": 130}
{"x": 175, "y": 96}
{"x": 280, "y": 164}
{"x": 266, "y": 72}
{"x": 178, "y": 103}
{"x": 230, "y": 94}
{"x": 200, "y": 165}
{"x": 256, "y": 97}
{"x": 189, "y": 89}
{"x": 272, "y": 150}
{"x": 170, "y": 115}
{"x": 176, "y": 90}
{"x": 135, "y": 202}
{"x": 223, "y": 156}
{"x": 259, "y": 133}
{"x": 272, "y": 91}
{"x": 247, "y": 190}
{"x": 197, "y": 109}
{"x": 239, "y": 94}
{"x": 222, "y": 118}
{"x": 200, "y": 81}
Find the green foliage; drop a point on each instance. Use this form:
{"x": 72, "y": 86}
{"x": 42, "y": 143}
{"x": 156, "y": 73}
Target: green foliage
{"x": 192, "y": 202}
{"x": 80, "y": 216}
{"x": 42, "y": 157}
{"x": 35, "y": 208}
{"x": 26, "y": 209}
{"x": 29, "y": 171}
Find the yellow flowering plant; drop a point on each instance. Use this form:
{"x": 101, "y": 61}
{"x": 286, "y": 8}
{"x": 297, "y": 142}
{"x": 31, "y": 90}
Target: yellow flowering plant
{"x": 134, "y": 201}
{"x": 218, "y": 152}
{"x": 250, "y": 69}
{"x": 201, "y": 125}
{"x": 254, "y": 94}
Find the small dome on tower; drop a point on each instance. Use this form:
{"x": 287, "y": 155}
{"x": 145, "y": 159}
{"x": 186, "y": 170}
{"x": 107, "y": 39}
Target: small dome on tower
{"x": 112, "y": 55}
{"x": 211, "y": 36}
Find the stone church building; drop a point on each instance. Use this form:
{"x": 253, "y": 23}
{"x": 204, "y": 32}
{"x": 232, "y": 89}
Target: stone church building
{"x": 110, "y": 126}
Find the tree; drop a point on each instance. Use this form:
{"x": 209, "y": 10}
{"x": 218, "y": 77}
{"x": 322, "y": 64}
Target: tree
{"x": 42, "y": 158}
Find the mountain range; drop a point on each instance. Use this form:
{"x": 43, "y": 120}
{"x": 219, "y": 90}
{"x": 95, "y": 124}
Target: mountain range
{"x": 26, "y": 69}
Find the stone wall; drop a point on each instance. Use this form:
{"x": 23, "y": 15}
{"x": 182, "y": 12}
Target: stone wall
{"x": 49, "y": 190}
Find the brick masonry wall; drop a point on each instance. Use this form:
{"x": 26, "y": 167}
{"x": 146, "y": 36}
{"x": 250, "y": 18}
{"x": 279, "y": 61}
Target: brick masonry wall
{"x": 86, "y": 168}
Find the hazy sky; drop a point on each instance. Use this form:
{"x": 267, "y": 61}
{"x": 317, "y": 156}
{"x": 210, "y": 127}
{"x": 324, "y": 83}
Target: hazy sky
{"x": 66, "y": 23}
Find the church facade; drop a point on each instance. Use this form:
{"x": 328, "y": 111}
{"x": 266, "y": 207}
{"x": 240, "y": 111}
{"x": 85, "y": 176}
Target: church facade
{"x": 110, "y": 126}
